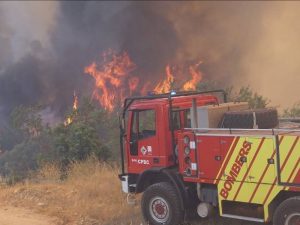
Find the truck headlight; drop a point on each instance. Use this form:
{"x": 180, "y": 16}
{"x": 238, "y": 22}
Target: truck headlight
{"x": 188, "y": 171}
{"x": 187, "y": 150}
{"x": 187, "y": 160}
{"x": 186, "y": 140}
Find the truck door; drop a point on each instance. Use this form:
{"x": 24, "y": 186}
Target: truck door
{"x": 234, "y": 158}
{"x": 143, "y": 140}
{"x": 262, "y": 160}
{"x": 209, "y": 156}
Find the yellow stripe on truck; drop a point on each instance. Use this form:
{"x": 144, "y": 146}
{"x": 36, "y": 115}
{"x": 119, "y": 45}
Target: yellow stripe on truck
{"x": 260, "y": 183}
{"x": 225, "y": 160}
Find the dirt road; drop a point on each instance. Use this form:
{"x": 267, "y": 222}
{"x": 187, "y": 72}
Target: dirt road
{"x": 21, "y": 216}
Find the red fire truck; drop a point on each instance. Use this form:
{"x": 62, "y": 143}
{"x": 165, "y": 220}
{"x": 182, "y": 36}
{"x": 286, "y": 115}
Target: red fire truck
{"x": 191, "y": 151}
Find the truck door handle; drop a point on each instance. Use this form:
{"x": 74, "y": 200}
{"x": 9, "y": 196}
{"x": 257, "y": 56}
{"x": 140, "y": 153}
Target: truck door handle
{"x": 218, "y": 158}
{"x": 156, "y": 160}
{"x": 251, "y": 177}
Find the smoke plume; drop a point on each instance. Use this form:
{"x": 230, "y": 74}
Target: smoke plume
{"x": 45, "y": 46}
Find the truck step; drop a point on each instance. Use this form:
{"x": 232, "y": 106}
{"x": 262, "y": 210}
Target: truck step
{"x": 243, "y": 218}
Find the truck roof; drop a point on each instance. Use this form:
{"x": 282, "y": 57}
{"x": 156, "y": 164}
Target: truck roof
{"x": 244, "y": 132}
{"x": 177, "y": 101}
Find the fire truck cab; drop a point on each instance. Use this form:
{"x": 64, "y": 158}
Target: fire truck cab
{"x": 175, "y": 150}
{"x": 149, "y": 136}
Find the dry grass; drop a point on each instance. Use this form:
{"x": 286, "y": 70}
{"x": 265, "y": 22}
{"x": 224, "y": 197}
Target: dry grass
{"x": 90, "y": 195}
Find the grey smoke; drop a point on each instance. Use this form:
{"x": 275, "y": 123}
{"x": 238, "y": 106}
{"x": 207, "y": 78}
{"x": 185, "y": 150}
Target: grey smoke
{"x": 45, "y": 46}
{"x": 5, "y": 45}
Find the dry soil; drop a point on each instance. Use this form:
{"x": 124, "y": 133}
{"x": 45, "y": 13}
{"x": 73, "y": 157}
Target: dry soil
{"x": 20, "y": 216}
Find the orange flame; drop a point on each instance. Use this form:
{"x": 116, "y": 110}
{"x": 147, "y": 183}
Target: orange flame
{"x": 69, "y": 119}
{"x": 110, "y": 78}
{"x": 114, "y": 79}
{"x": 75, "y": 103}
{"x": 166, "y": 85}
{"x": 196, "y": 78}
{"x": 133, "y": 83}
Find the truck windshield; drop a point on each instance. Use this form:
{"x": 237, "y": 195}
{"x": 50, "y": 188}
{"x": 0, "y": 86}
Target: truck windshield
{"x": 181, "y": 119}
{"x": 176, "y": 120}
{"x": 147, "y": 127}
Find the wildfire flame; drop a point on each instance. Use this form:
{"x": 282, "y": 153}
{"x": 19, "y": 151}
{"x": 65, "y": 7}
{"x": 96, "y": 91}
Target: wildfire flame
{"x": 110, "y": 78}
{"x": 69, "y": 119}
{"x": 196, "y": 78}
{"x": 75, "y": 103}
{"x": 114, "y": 79}
{"x": 166, "y": 85}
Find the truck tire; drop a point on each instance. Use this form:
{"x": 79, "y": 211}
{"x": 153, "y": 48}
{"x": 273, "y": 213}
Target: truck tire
{"x": 265, "y": 119}
{"x": 161, "y": 205}
{"x": 288, "y": 212}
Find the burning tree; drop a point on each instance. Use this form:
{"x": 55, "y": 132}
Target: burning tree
{"x": 69, "y": 118}
{"x": 115, "y": 79}
{"x": 112, "y": 78}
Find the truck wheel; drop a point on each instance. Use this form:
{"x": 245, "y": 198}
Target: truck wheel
{"x": 288, "y": 212}
{"x": 265, "y": 119}
{"x": 161, "y": 205}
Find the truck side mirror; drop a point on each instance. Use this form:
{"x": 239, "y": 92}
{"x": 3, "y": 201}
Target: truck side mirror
{"x": 122, "y": 125}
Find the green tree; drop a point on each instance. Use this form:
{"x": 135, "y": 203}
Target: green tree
{"x": 244, "y": 94}
{"x": 294, "y": 111}
{"x": 25, "y": 157}
{"x": 255, "y": 100}
{"x": 88, "y": 133}
{"x": 76, "y": 142}
{"x": 9, "y": 137}
{"x": 27, "y": 120}
{"x": 105, "y": 124}
{"x": 61, "y": 144}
